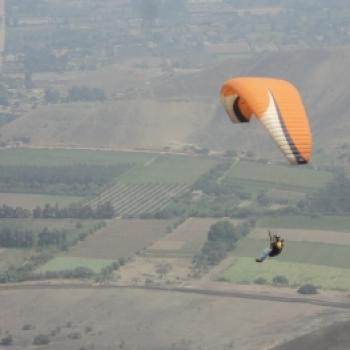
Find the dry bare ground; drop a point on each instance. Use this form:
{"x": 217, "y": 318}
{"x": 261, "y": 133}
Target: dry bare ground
{"x": 30, "y": 201}
{"x": 121, "y": 238}
{"x": 145, "y": 319}
{"x": 298, "y": 235}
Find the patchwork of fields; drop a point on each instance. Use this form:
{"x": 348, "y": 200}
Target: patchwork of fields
{"x": 121, "y": 238}
{"x": 317, "y": 247}
{"x": 134, "y": 200}
{"x": 279, "y": 182}
{"x": 317, "y": 251}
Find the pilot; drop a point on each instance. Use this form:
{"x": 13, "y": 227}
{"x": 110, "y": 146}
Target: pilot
{"x": 276, "y": 247}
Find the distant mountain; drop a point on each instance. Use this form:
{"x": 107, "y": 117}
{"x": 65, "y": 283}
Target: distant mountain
{"x": 185, "y": 108}
{"x": 322, "y": 76}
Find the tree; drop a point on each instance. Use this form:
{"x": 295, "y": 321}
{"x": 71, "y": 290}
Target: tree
{"x": 262, "y": 199}
{"x": 52, "y": 95}
{"x": 4, "y": 96}
{"x": 41, "y": 339}
{"x": 163, "y": 269}
{"x": 280, "y": 280}
{"x": 223, "y": 231}
{"x": 7, "y": 341}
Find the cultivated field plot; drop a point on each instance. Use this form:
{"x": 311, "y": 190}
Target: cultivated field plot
{"x": 174, "y": 250}
{"x": 30, "y": 201}
{"x": 56, "y": 157}
{"x": 150, "y": 187}
{"x": 324, "y": 223}
{"x": 185, "y": 241}
{"x": 169, "y": 169}
{"x": 246, "y": 270}
{"x": 329, "y": 237}
{"x": 302, "y": 261}
{"x": 64, "y": 263}
{"x": 73, "y": 227}
{"x": 258, "y": 175}
{"x": 299, "y": 252}
{"x": 121, "y": 238}
{"x": 14, "y": 257}
{"x": 132, "y": 200}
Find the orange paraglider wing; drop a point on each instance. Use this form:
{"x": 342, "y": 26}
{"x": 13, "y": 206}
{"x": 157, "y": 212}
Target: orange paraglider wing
{"x": 277, "y": 104}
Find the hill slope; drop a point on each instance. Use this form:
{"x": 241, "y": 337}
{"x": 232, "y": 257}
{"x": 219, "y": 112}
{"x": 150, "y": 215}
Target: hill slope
{"x": 185, "y": 108}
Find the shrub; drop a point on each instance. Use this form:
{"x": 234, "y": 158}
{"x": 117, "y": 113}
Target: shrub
{"x": 7, "y": 341}
{"x": 27, "y": 327}
{"x": 280, "y": 280}
{"x": 260, "y": 280}
{"x": 74, "y": 336}
{"x": 307, "y": 289}
{"x": 41, "y": 339}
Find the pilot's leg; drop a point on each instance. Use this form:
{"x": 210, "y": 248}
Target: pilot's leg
{"x": 264, "y": 255}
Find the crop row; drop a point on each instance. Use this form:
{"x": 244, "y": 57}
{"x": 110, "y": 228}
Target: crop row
{"x": 138, "y": 199}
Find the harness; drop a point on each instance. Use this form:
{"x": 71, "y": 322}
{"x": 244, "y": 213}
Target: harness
{"x": 276, "y": 247}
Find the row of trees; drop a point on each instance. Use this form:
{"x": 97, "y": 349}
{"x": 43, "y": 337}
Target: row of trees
{"x": 75, "y": 94}
{"x": 76, "y": 179}
{"x": 25, "y": 273}
{"x": 73, "y": 211}
{"x": 222, "y": 237}
{"x": 17, "y": 238}
{"x": 333, "y": 199}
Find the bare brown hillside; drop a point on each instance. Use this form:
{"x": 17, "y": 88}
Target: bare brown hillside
{"x": 335, "y": 337}
{"x": 184, "y": 108}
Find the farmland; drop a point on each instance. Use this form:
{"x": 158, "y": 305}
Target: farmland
{"x": 167, "y": 169}
{"x": 261, "y": 176}
{"x": 121, "y": 238}
{"x": 310, "y": 256}
{"x": 149, "y": 187}
{"x": 30, "y": 201}
{"x": 56, "y": 157}
{"x": 15, "y": 258}
{"x": 134, "y": 200}
{"x": 63, "y": 263}
{"x": 175, "y": 251}
{"x": 245, "y": 270}
{"x": 331, "y": 223}
{"x": 300, "y": 252}
{"x": 185, "y": 241}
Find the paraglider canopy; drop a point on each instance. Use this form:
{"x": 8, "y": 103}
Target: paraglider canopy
{"x": 277, "y": 104}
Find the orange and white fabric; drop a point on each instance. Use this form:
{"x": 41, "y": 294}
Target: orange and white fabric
{"x": 277, "y": 104}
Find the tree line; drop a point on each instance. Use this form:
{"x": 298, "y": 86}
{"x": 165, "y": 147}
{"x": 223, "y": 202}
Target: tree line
{"x": 222, "y": 237}
{"x": 18, "y": 238}
{"x": 76, "y": 179}
{"x": 48, "y": 211}
{"x": 333, "y": 199}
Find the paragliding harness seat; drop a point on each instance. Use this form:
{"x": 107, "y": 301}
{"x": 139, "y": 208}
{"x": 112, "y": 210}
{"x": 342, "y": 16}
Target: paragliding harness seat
{"x": 276, "y": 245}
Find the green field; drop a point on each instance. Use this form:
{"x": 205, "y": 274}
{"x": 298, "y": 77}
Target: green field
{"x": 246, "y": 270}
{"x": 47, "y": 157}
{"x": 261, "y": 176}
{"x": 62, "y": 263}
{"x": 325, "y": 223}
{"x": 169, "y": 169}
{"x": 299, "y": 252}
{"x": 14, "y": 257}
{"x": 325, "y": 265}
